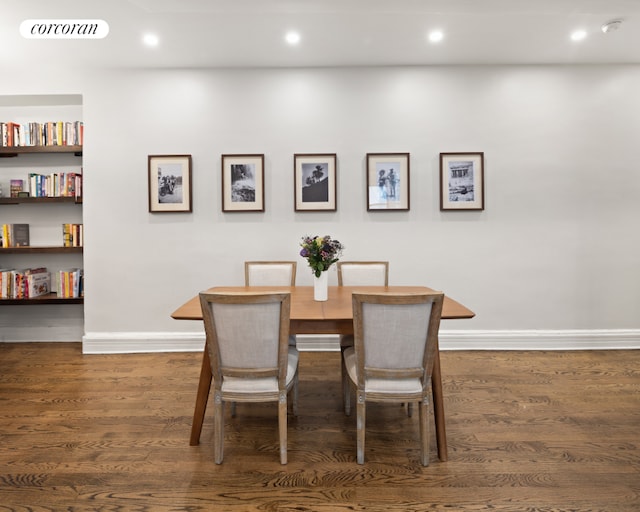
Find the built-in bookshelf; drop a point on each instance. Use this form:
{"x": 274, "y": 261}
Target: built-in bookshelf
{"x": 56, "y": 318}
{"x": 39, "y": 193}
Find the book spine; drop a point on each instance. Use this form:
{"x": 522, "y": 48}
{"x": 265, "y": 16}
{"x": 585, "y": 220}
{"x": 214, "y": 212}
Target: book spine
{"x": 78, "y": 186}
{"x": 3, "y": 283}
{"x": 67, "y": 282}
{"x": 66, "y": 235}
{"x": 19, "y": 283}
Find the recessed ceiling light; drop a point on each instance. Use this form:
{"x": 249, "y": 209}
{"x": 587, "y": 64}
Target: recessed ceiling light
{"x": 436, "y": 36}
{"x": 611, "y": 26}
{"x": 292, "y": 38}
{"x": 578, "y": 35}
{"x": 150, "y": 40}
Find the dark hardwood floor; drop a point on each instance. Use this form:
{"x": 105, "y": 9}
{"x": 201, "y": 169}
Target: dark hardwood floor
{"x": 527, "y": 431}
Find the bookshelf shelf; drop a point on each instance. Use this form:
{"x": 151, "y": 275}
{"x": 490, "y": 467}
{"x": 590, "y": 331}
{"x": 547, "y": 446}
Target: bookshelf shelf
{"x": 50, "y": 298}
{"x": 39, "y": 249}
{"x": 36, "y": 200}
{"x": 13, "y": 151}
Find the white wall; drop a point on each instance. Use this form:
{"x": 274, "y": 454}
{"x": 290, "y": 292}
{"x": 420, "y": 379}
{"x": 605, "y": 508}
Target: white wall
{"x": 553, "y": 256}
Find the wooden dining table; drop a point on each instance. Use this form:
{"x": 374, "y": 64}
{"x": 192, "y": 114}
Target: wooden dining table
{"x": 333, "y": 316}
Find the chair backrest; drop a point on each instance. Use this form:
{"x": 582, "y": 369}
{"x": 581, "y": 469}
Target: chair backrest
{"x": 247, "y": 334}
{"x": 270, "y": 273}
{"x": 395, "y": 336}
{"x": 363, "y": 273}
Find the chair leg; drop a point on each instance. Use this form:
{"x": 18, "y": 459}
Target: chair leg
{"x": 233, "y": 409}
{"x": 294, "y": 395}
{"x": 346, "y": 389}
{"x": 282, "y": 426}
{"x": 345, "y": 342}
{"x": 423, "y": 413}
{"x": 409, "y": 408}
{"x": 218, "y": 424}
{"x": 360, "y": 426}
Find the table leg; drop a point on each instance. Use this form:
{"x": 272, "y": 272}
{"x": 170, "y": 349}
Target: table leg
{"x": 204, "y": 387}
{"x": 438, "y": 407}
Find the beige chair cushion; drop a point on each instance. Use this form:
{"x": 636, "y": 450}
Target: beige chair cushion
{"x": 380, "y": 385}
{"x": 261, "y": 385}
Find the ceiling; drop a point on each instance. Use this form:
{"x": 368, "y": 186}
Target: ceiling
{"x": 250, "y": 33}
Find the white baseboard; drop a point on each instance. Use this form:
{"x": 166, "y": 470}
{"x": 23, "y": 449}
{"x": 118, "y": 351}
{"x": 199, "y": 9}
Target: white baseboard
{"x": 132, "y": 342}
{"x": 568, "y": 339}
{"x": 598, "y": 339}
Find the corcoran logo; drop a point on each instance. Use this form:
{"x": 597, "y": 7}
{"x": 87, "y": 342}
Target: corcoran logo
{"x": 64, "y": 29}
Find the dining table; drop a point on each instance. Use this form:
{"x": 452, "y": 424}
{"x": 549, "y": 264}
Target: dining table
{"x": 333, "y": 316}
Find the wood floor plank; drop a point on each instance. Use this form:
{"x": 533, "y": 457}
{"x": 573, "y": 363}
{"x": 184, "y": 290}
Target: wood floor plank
{"x": 527, "y": 431}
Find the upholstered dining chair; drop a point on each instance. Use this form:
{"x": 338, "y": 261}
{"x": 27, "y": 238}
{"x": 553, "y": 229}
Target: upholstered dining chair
{"x": 270, "y": 273}
{"x": 251, "y": 361}
{"x": 358, "y": 273}
{"x": 395, "y": 342}
{"x": 363, "y": 273}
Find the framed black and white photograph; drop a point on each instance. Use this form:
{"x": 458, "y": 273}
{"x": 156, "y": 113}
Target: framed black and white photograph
{"x": 387, "y": 181}
{"x": 462, "y": 181}
{"x": 242, "y": 183}
{"x": 169, "y": 183}
{"x": 315, "y": 182}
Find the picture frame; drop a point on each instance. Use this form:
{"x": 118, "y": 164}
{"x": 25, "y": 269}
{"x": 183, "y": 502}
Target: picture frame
{"x": 462, "y": 181}
{"x": 243, "y": 183}
{"x": 388, "y": 182}
{"x": 315, "y": 186}
{"x": 169, "y": 183}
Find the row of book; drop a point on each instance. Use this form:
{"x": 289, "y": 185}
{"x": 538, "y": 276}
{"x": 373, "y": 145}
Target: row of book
{"x": 52, "y": 133}
{"x": 23, "y": 284}
{"x": 73, "y": 235}
{"x": 14, "y": 235}
{"x": 56, "y": 184}
{"x": 17, "y": 235}
{"x": 69, "y": 283}
{"x": 34, "y": 282}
